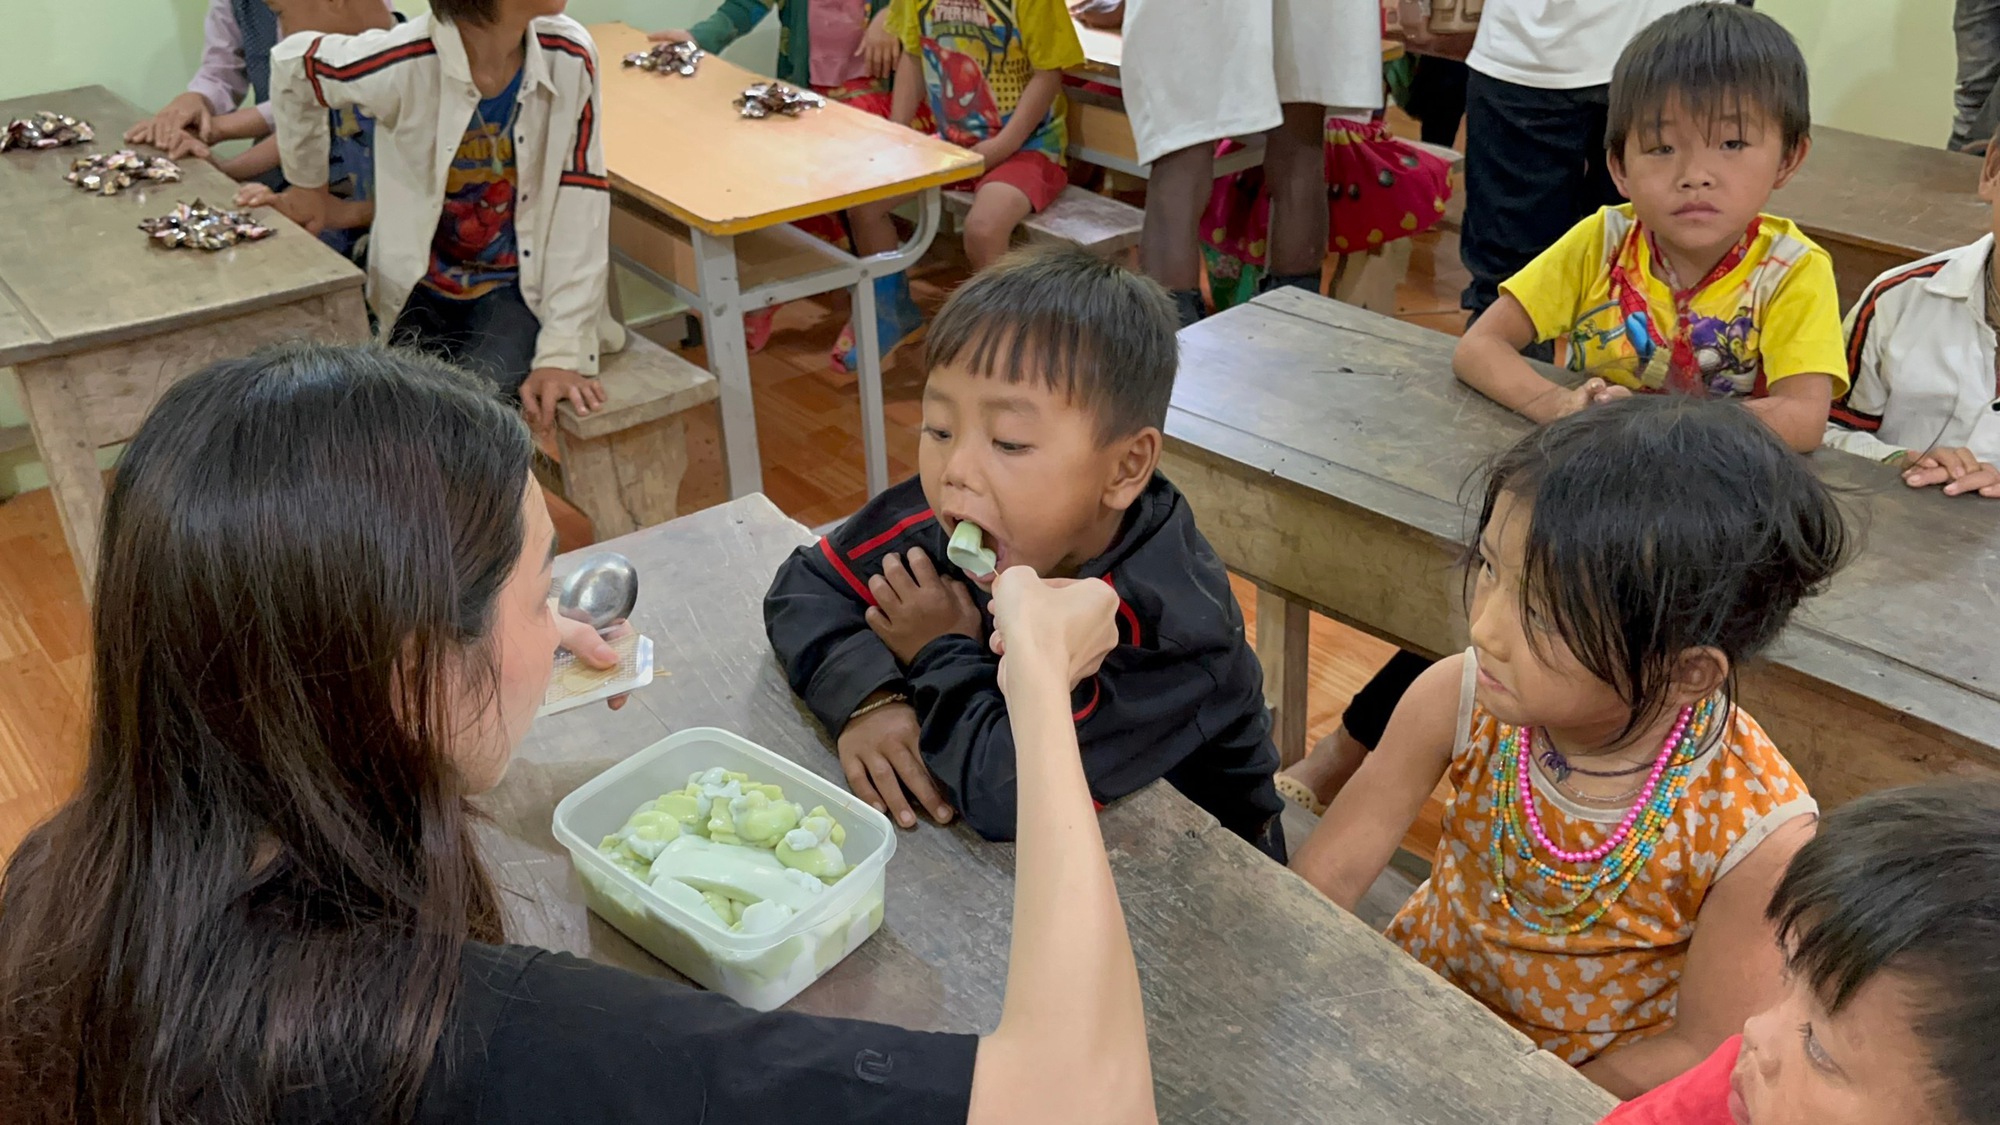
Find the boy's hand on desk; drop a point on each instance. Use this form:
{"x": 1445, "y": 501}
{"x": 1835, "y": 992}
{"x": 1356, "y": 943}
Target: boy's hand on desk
{"x": 993, "y": 151}
{"x": 878, "y": 749}
{"x": 187, "y": 111}
{"x": 184, "y": 146}
{"x": 915, "y": 605}
{"x": 670, "y": 35}
{"x": 1565, "y": 401}
{"x": 291, "y": 204}
{"x": 547, "y": 387}
{"x": 1958, "y": 470}
{"x": 1066, "y": 621}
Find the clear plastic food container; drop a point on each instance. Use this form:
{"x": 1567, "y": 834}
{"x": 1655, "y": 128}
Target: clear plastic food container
{"x": 760, "y": 971}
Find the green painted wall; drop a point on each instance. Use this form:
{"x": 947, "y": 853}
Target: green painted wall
{"x": 1882, "y": 67}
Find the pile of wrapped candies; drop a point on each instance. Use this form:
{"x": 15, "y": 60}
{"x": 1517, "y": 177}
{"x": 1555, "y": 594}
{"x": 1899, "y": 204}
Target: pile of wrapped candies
{"x": 667, "y": 58}
{"x": 108, "y": 173}
{"x": 201, "y": 227}
{"x": 768, "y": 98}
{"x": 46, "y": 130}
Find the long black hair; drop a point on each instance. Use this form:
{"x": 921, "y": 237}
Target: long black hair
{"x": 1907, "y": 882}
{"x": 264, "y": 884}
{"x": 1659, "y": 524}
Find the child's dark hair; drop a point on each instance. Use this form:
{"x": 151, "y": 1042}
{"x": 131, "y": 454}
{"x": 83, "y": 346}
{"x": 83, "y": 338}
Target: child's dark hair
{"x": 1715, "y": 59}
{"x": 466, "y": 11}
{"x": 1663, "y": 523}
{"x": 1907, "y": 882}
{"x": 1089, "y": 329}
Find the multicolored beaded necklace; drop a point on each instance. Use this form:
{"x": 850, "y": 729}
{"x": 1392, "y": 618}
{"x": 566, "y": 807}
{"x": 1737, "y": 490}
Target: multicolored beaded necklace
{"x": 1624, "y": 853}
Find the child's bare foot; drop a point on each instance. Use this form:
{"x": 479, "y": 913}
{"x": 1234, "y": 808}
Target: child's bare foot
{"x": 1324, "y": 771}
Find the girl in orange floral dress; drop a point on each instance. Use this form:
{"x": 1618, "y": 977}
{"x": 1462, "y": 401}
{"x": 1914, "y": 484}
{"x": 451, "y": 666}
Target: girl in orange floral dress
{"x": 1616, "y": 825}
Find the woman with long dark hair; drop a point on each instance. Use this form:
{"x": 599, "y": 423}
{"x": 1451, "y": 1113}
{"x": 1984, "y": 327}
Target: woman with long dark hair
{"x": 321, "y": 623}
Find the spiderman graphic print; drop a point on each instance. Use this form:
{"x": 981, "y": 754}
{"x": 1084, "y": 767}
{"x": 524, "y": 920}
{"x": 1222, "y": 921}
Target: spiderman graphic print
{"x": 473, "y": 251}
{"x": 978, "y": 57}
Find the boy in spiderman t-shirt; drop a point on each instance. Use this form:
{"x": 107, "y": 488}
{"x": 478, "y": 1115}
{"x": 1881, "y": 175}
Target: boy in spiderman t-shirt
{"x": 992, "y": 72}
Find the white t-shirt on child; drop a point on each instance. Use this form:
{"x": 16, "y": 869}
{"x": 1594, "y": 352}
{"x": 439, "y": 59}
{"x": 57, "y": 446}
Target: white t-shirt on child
{"x": 1559, "y": 44}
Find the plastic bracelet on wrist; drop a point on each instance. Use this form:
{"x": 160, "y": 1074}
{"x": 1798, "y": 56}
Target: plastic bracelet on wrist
{"x": 893, "y": 697}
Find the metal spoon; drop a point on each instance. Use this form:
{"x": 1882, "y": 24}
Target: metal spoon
{"x": 602, "y": 590}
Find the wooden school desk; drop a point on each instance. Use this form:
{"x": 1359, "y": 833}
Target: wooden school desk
{"x": 707, "y": 195}
{"x": 1267, "y": 1003}
{"x": 98, "y": 321}
{"x": 1326, "y": 451}
{"x": 1875, "y": 204}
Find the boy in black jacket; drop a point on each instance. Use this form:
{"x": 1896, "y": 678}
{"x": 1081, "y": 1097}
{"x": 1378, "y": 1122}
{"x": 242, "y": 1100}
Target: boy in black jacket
{"x": 1048, "y": 381}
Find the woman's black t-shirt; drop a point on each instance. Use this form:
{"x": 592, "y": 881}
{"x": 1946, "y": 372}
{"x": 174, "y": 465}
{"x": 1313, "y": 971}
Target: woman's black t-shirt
{"x": 539, "y": 1037}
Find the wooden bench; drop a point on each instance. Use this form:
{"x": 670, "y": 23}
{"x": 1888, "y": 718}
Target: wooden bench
{"x": 622, "y": 464}
{"x": 1876, "y": 204}
{"x": 1098, "y": 223}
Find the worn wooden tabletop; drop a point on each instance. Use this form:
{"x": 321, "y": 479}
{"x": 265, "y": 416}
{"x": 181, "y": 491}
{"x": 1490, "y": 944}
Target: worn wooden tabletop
{"x": 680, "y": 145}
{"x": 1909, "y": 199}
{"x": 1361, "y": 412}
{"x": 76, "y": 272}
{"x": 1266, "y": 1003}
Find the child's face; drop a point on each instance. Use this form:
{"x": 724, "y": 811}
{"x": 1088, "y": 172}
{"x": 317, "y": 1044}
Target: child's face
{"x": 1803, "y": 1066}
{"x": 1024, "y": 463}
{"x": 330, "y": 17}
{"x": 1696, "y": 184}
{"x": 1523, "y": 683}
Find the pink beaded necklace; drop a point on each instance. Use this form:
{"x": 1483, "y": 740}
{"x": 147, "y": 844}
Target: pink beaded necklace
{"x": 1524, "y": 767}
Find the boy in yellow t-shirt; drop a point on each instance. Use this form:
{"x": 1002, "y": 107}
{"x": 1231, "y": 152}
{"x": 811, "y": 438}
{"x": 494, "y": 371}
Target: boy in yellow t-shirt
{"x": 1688, "y": 287}
{"x": 992, "y": 70}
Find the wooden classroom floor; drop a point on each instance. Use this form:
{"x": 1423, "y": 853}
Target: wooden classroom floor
{"x": 809, "y": 429}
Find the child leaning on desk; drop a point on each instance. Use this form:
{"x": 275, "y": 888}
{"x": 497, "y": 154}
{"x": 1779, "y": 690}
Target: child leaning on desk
{"x": 1047, "y": 384}
{"x": 487, "y": 246}
{"x": 1920, "y": 348}
{"x": 1689, "y": 287}
{"x": 1616, "y": 821}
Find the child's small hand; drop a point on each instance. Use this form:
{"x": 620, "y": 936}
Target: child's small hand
{"x": 184, "y": 146}
{"x": 547, "y": 387}
{"x": 1070, "y": 623}
{"x": 256, "y": 195}
{"x": 1958, "y": 470}
{"x": 879, "y": 752}
{"x": 670, "y": 35}
{"x": 882, "y": 49}
{"x": 915, "y": 605}
{"x": 1565, "y": 401}
{"x": 186, "y": 112}
{"x": 992, "y": 152}
{"x": 1103, "y": 14}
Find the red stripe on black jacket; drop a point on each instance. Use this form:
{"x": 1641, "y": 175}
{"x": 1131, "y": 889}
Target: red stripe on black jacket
{"x": 1180, "y": 698}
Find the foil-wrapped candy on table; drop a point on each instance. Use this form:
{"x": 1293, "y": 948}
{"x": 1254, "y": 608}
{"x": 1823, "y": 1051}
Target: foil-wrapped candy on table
{"x": 667, "y": 58}
{"x": 767, "y": 98}
{"x": 108, "y": 173}
{"x": 201, "y": 227}
{"x": 46, "y": 129}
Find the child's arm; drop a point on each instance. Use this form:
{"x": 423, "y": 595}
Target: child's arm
{"x": 1071, "y": 1045}
{"x": 1796, "y": 409}
{"x": 1028, "y": 115}
{"x": 577, "y": 269}
{"x": 304, "y": 86}
{"x": 1857, "y": 414}
{"x": 908, "y": 91}
{"x": 247, "y": 124}
{"x": 816, "y": 617}
{"x": 1488, "y": 359}
{"x": 251, "y": 162}
{"x": 731, "y": 20}
{"x": 1734, "y": 970}
{"x": 1358, "y": 835}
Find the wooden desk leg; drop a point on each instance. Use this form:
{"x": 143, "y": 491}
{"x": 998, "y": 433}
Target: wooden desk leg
{"x": 54, "y": 403}
{"x": 1284, "y": 629}
{"x": 729, "y": 358}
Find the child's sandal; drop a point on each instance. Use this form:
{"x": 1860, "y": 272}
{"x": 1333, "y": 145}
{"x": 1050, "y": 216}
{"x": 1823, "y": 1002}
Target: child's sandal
{"x": 1300, "y": 794}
